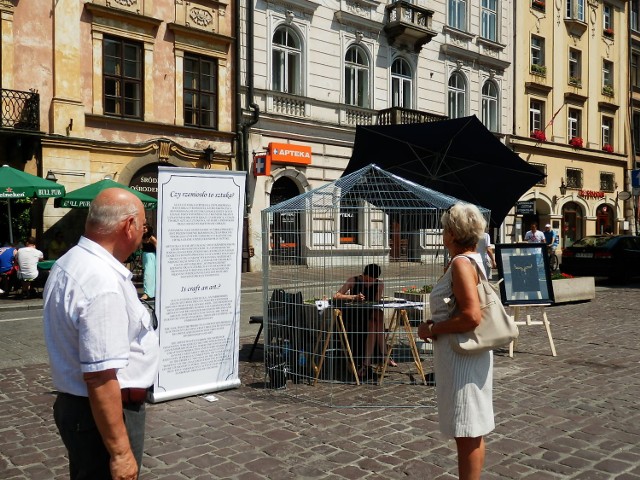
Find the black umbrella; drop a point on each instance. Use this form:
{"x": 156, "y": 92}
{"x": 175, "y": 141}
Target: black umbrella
{"x": 458, "y": 157}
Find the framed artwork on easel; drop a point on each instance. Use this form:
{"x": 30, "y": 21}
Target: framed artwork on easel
{"x": 524, "y": 267}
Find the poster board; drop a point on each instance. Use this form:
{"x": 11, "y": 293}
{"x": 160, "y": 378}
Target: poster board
{"x": 198, "y": 272}
{"x": 525, "y": 270}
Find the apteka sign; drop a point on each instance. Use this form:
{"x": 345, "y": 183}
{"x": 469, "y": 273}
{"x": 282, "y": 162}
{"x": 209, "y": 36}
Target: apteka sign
{"x": 289, "y": 153}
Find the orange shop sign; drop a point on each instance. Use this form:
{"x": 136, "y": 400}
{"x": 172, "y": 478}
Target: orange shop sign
{"x": 289, "y": 153}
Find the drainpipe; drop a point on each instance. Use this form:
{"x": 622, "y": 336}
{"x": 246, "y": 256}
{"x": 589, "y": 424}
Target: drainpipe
{"x": 242, "y": 127}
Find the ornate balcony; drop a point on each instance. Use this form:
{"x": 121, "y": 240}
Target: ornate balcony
{"x": 20, "y": 110}
{"x": 398, "y": 115}
{"x": 408, "y": 26}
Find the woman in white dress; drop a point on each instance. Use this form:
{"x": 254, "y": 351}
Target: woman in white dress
{"x": 463, "y": 382}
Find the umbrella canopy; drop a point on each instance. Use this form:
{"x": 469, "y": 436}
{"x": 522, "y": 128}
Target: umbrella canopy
{"x": 18, "y": 184}
{"x": 82, "y": 197}
{"x": 458, "y": 157}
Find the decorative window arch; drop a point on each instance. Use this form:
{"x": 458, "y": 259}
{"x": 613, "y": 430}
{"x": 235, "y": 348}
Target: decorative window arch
{"x": 401, "y": 83}
{"x": 457, "y": 95}
{"x": 286, "y": 65}
{"x": 357, "y": 72}
{"x": 490, "y": 105}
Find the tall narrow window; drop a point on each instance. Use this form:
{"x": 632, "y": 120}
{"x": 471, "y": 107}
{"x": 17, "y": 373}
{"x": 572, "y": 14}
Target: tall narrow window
{"x": 122, "y": 75}
{"x": 575, "y": 67}
{"x": 607, "y": 78}
{"x": 356, "y": 77}
{"x": 536, "y": 115}
{"x": 490, "y": 106}
{"x": 457, "y": 95}
{"x": 537, "y": 55}
{"x": 401, "y": 83}
{"x": 607, "y": 131}
{"x": 575, "y": 10}
{"x": 635, "y": 69}
{"x": 635, "y": 130}
{"x": 287, "y": 61}
{"x": 635, "y": 15}
{"x": 573, "y": 124}
{"x": 458, "y": 14}
{"x": 607, "y": 18}
{"x": 200, "y": 91}
{"x": 489, "y": 19}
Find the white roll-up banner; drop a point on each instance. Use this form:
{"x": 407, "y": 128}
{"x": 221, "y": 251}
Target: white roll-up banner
{"x": 199, "y": 262}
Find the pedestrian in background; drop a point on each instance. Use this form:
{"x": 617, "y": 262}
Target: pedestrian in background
{"x": 103, "y": 351}
{"x": 464, "y": 383}
{"x": 149, "y": 246}
{"x": 534, "y": 235}
{"x": 27, "y": 259}
{"x": 7, "y": 267}
{"x": 488, "y": 258}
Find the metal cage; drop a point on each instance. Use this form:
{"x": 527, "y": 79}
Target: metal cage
{"x": 315, "y": 345}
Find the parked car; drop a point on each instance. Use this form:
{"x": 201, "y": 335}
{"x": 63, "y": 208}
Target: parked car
{"x": 613, "y": 256}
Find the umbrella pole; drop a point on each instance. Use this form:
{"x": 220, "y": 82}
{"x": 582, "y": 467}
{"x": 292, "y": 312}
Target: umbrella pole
{"x": 10, "y": 227}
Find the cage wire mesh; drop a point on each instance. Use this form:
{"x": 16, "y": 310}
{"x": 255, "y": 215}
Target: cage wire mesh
{"x": 315, "y": 345}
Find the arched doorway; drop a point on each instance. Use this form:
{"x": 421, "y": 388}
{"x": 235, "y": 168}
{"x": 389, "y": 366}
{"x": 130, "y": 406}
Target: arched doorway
{"x": 284, "y": 240}
{"x": 145, "y": 180}
{"x": 572, "y": 224}
{"x": 605, "y": 219}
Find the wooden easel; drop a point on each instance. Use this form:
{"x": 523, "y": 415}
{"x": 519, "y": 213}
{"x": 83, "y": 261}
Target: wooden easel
{"x": 336, "y": 318}
{"x": 520, "y": 311}
{"x": 399, "y": 319}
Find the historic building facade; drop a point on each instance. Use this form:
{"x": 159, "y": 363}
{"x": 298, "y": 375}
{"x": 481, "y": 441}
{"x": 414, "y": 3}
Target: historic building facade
{"x": 313, "y": 70}
{"x": 571, "y": 119}
{"x": 114, "y": 88}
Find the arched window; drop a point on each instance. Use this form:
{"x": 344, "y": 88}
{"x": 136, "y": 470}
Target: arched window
{"x": 401, "y": 83}
{"x": 356, "y": 77}
{"x": 286, "y": 61}
{"x": 457, "y": 95}
{"x": 490, "y": 105}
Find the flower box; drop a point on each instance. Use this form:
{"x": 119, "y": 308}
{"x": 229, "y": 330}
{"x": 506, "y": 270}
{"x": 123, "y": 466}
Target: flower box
{"x": 576, "y": 142}
{"x": 574, "y": 289}
{"x": 539, "y": 4}
{"x": 607, "y": 147}
{"x": 607, "y": 90}
{"x": 539, "y": 135}
{"x": 575, "y": 81}
{"x": 539, "y": 69}
{"x": 608, "y": 32}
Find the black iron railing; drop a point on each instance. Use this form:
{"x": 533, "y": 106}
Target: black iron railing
{"x": 398, "y": 115}
{"x": 20, "y": 110}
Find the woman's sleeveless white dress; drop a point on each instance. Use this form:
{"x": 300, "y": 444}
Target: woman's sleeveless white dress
{"x": 464, "y": 383}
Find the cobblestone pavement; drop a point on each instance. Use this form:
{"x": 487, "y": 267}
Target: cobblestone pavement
{"x": 574, "y": 416}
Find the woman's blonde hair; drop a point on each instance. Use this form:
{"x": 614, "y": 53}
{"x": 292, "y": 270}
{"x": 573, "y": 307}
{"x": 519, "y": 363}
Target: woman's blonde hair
{"x": 465, "y": 223}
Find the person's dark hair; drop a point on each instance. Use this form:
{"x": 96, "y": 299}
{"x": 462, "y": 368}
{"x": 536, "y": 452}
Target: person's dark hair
{"x": 31, "y": 240}
{"x": 149, "y": 232}
{"x": 372, "y": 270}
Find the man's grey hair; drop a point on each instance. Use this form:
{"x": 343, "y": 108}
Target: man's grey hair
{"x": 105, "y": 217}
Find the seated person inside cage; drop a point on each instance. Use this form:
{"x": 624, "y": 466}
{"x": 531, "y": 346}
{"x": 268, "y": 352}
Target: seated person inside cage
{"x": 368, "y": 287}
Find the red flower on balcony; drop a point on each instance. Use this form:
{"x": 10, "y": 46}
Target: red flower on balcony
{"x": 539, "y": 135}
{"x": 607, "y": 147}
{"x": 576, "y": 142}
{"x": 608, "y": 32}
{"x": 538, "y": 3}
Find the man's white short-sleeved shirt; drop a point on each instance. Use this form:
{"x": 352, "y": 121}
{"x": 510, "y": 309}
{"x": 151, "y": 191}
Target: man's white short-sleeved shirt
{"x": 537, "y": 237}
{"x": 93, "y": 321}
{"x": 28, "y": 258}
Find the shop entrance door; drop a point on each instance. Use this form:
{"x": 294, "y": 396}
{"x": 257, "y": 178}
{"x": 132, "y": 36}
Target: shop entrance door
{"x": 285, "y": 229}
{"x": 572, "y": 227}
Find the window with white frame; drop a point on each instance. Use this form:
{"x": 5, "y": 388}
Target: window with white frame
{"x": 607, "y": 131}
{"x": 607, "y": 77}
{"x": 286, "y": 69}
{"x": 200, "y": 98}
{"x": 574, "y": 177}
{"x": 537, "y": 51}
{"x": 490, "y": 105}
{"x": 574, "y": 123}
{"x": 575, "y": 10}
{"x": 536, "y": 115}
{"x": 122, "y": 70}
{"x": 401, "y": 83}
{"x": 457, "y": 95}
{"x": 607, "y": 18}
{"x": 458, "y": 14}
{"x": 490, "y": 19}
{"x": 575, "y": 67}
{"x": 356, "y": 77}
